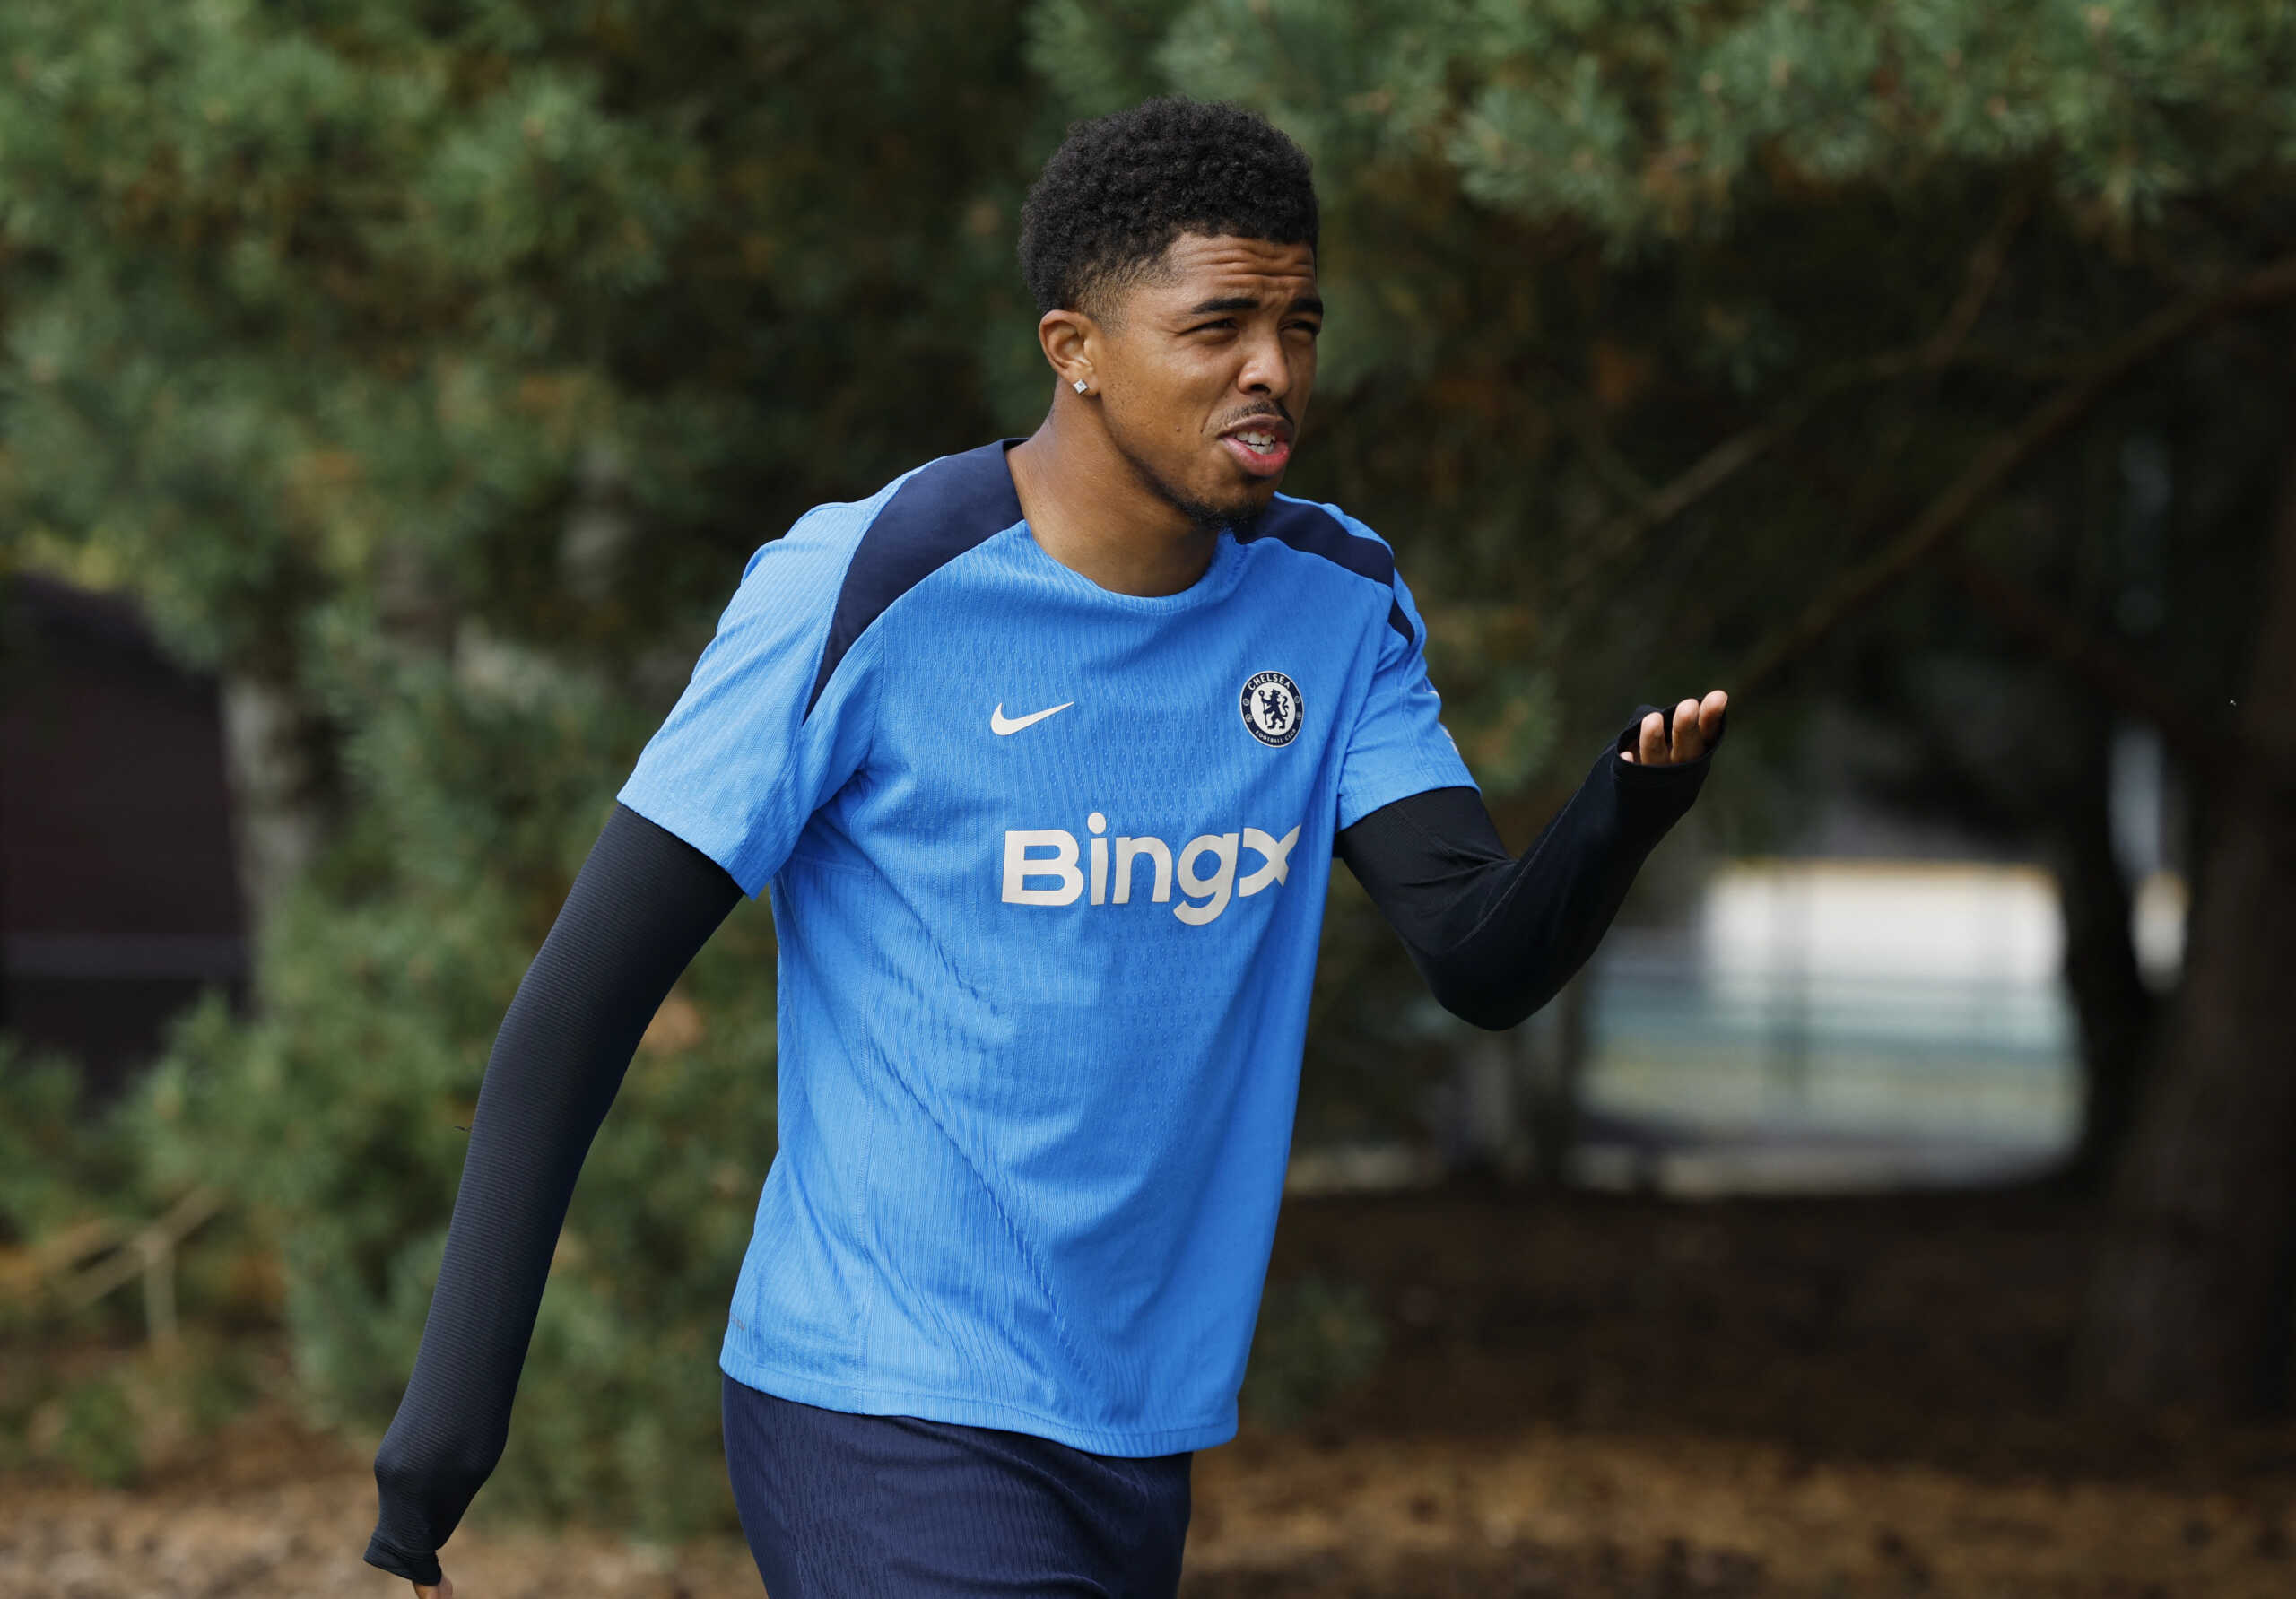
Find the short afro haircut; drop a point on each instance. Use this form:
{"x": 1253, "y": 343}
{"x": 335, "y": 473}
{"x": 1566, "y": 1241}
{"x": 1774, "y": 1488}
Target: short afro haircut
{"x": 1121, "y": 187}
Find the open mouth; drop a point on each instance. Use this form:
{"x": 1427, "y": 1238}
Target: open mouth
{"x": 1261, "y": 451}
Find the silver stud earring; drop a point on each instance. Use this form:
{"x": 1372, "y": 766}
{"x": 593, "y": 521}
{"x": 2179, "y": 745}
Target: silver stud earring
{"x": 1078, "y": 385}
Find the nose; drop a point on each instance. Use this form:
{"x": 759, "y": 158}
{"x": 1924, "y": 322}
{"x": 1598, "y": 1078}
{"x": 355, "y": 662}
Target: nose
{"x": 1265, "y": 372}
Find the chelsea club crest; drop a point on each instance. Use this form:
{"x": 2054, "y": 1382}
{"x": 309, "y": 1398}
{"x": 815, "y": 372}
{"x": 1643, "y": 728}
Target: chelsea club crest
{"x": 1271, "y": 706}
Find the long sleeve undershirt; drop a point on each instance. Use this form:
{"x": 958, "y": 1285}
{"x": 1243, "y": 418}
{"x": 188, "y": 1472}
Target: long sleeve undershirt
{"x": 1494, "y": 935}
{"x": 644, "y": 903}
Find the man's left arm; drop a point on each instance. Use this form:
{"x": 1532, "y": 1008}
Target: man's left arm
{"x": 1495, "y": 935}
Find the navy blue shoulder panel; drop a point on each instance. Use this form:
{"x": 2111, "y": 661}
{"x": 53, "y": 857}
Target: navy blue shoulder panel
{"x": 1314, "y": 531}
{"x": 942, "y": 511}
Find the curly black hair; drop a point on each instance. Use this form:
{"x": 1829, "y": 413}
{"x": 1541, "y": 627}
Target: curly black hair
{"x": 1121, "y": 187}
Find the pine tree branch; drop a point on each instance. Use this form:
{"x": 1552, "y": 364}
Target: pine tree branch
{"x": 1579, "y": 417}
{"x": 1985, "y": 268}
{"x": 1648, "y": 510}
{"x": 1946, "y": 516}
{"x": 1617, "y": 538}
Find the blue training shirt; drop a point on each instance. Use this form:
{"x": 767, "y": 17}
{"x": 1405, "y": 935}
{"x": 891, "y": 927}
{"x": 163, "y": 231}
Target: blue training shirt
{"x": 1048, "y": 865}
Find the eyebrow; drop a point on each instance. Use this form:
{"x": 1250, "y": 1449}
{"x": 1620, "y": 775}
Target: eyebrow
{"x": 1247, "y": 302}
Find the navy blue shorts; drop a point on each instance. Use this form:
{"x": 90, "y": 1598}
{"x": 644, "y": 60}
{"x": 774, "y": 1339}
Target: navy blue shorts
{"x": 843, "y": 1507}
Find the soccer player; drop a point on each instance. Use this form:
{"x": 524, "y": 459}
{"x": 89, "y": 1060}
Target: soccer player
{"x": 1045, "y": 750}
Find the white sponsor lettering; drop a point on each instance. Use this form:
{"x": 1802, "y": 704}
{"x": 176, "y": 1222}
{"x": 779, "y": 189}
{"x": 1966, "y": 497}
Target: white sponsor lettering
{"x": 1277, "y": 854}
{"x": 1020, "y": 868}
{"x": 1214, "y": 890}
{"x": 1160, "y": 855}
{"x": 1041, "y": 868}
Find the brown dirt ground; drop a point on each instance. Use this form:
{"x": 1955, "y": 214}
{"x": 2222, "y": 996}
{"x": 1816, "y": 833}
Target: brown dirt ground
{"x": 1585, "y": 1397}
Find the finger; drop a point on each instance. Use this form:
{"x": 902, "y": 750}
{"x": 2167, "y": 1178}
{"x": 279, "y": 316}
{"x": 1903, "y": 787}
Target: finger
{"x": 1709, "y": 714}
{"x": 1653, "y": 740}
{"x": 1689, "y": 743}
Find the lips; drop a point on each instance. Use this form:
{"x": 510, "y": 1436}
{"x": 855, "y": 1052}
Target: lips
{"x": 1261, "y": 448}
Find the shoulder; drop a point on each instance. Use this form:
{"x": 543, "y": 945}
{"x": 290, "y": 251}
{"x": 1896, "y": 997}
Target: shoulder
{"x": 843, "y": 565}
{"x": 1313, "y": 530}
{"x": 915, "y": 523}
{"x": 918, "y": 524}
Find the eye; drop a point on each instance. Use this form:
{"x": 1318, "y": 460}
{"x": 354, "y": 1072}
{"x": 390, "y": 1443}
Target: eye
{"x": 1310, "y": 328}
{"x": 1208, "y": 327}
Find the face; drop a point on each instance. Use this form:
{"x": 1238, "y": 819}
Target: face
{"x": 1204, "y": 370}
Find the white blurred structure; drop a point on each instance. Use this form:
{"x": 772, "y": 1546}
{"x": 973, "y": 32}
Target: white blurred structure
{"x": 1849, "y": 920}
{"x": 1877, "y": 1011}
{"x": 2158, "y": 924}
{"x": 1833, "y": 1024}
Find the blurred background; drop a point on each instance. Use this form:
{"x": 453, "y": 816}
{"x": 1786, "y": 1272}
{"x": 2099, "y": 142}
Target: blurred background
{"x": 1903, "y": 1201}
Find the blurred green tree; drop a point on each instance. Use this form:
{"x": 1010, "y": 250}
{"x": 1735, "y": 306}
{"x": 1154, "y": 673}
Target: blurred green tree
{"x": 1673, "y": 322}
{"x": 431, "y": 373}
{"x": 515, "y": 325}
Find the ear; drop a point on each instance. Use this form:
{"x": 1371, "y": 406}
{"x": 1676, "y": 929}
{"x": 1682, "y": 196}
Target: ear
{"x": 1070, "y": 340}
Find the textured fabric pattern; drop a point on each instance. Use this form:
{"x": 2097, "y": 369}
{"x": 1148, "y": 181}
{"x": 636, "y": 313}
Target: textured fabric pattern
{"x": 844, "y": 1507}
{"x": 643, "y": 903}
{"x": 1048, "y": 883}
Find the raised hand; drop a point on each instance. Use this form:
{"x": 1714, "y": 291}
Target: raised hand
{"x": 1697, "y": 724}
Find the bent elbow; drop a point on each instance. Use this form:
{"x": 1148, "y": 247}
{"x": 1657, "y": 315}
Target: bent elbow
{"x": 1491, "y": 1008}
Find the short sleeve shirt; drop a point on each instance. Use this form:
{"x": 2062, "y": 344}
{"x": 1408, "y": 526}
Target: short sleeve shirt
{"x": 1047, "y": 866}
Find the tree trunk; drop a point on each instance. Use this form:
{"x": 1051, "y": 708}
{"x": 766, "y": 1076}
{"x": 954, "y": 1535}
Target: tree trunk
{"x": 2114, "y": 1008}
{"x": 1558, "y": 1086}
{"x": 2192, "y": 1301}
{"x": 277, "y": 755}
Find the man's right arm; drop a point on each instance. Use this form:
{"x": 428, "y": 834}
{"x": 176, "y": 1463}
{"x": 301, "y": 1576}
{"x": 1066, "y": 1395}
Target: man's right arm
{"x": 644, "y": 903}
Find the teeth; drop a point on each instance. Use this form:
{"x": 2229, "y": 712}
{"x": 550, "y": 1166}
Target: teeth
{"x": 1260, "y": 441}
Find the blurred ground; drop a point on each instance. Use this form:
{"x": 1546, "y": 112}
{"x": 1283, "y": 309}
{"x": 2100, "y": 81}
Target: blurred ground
{"x": 1596, "y": 1397}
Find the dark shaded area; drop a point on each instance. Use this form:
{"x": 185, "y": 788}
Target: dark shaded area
{"x": 117, "y": 898}
{"x": 1906, "y": 1342}
{"x": 1918, "y": 1327}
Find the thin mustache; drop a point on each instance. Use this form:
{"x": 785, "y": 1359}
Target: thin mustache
{"x": 1272, "y": 408}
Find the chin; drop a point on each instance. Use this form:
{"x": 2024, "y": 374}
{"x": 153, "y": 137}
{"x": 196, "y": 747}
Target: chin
{"x": 1260, "y": 495}
{"x": 1225, "y": 502}
{"x": 1243, "y": 517}
{"x": 1245, "y": 490}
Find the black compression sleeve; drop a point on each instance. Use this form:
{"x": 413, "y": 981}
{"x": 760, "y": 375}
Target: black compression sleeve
{"x": 1495, "y": 937}
{"x": 643, "y": 904}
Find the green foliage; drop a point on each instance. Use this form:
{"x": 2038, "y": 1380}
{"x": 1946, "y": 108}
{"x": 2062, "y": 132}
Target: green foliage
{"x": 439, "y": 370}
{"x": 1316, "y": 1339}
{"x": 105, "y": 1414}
{"x": 336, "y": 1121}
{"x": 1098, "y": 53}
{"x": 58, "y": 1164}
{"x": 96, "y": 1434}
{"x": 1644, "y": 122}
{"x": 298, "y": 303}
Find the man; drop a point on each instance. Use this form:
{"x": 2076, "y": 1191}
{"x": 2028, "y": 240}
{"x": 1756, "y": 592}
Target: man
{"x": 1046, "y": 748}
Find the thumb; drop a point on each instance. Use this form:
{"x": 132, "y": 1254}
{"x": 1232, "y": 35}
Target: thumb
{"x": 445, "y": 1589}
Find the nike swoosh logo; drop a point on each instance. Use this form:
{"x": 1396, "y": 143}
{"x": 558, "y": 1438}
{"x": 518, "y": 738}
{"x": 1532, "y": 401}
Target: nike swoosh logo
{"x": 1003, "y": 728}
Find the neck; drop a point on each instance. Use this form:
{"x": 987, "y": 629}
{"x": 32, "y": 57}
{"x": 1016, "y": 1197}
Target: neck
{"x": 1088, "y": 510}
